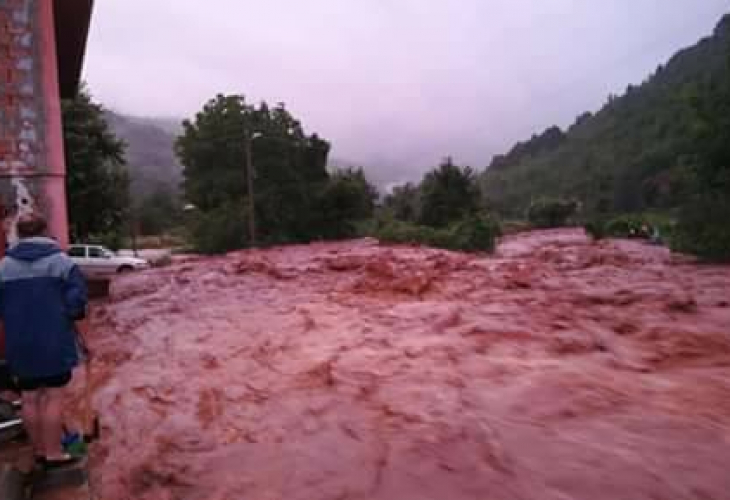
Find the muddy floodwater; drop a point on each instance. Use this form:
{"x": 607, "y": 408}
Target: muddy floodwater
{"x": 555, "y": 369}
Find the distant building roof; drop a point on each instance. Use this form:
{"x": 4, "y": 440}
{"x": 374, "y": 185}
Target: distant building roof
{"x": 72, "y": 19}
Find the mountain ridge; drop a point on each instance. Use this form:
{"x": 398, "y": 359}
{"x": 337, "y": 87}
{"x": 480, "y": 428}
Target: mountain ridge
{"x": 634, "y": 153}
{"x": 151, "y": 160}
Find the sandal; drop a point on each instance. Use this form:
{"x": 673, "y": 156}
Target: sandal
{"x": 57, "y": 463}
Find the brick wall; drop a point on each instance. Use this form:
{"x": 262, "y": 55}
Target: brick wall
{"x": 21, "y": 108}
{"x": 32, "y": 172}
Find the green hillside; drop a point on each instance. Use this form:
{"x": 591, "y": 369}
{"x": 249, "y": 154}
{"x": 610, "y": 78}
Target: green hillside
{"x": 634, "y": 154}
{"x": 149, "y": 154}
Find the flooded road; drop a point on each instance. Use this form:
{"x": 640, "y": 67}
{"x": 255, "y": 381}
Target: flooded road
{"x": 556, "y": 369}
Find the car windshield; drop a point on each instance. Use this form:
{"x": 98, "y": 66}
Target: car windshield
{"x": 107, "y": 253}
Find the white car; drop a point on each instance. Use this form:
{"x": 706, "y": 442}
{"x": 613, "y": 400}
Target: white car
{"x": 95, "y": 261}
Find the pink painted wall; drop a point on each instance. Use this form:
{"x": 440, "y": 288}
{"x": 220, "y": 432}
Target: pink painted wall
{"x": 54, "y": 185}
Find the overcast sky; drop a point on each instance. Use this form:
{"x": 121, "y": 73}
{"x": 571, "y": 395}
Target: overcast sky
{"x": 392, "y": 83}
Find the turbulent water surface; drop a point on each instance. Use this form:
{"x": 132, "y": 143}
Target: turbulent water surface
{"x": 556, "y": 369}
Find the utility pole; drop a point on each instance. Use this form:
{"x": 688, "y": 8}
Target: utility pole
{"x": 133, "y": 230}
{"x": 248, "y": 139}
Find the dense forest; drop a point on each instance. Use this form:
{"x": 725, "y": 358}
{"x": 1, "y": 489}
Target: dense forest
{"x": 635, "y": 154}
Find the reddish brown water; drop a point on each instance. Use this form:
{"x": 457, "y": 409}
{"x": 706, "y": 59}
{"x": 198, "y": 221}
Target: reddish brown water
{"x": 557, "y": 369}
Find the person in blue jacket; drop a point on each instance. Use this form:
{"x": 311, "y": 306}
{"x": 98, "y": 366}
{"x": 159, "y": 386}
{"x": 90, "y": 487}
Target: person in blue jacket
{"x": 42, "y": 294}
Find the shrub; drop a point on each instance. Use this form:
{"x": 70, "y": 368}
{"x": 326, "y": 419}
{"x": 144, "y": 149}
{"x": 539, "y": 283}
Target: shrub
{"x": 657, "y": 227}
{"x": 476, "y": 233}
{"x": 448, "y": 194}
{"x": 406, "y": 232}
{"x": 596, "y": 229}
{"x": 549, "y": 213}
{"x": 345, "y": 201}
{"x": 219, "y": 230}
{"x": 703, "y": 228}
{"x": 628, "y": 226}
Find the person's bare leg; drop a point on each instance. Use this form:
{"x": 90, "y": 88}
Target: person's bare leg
{"x": 32, "y": 420}
{"x": 52, "y": 423}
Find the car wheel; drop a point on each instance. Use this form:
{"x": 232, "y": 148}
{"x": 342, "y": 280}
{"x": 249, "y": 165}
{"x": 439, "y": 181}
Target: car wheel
{"x": 125, "y": 269}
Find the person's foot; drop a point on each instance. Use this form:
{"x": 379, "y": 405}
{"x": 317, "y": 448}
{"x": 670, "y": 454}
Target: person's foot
{"x": 61, "y": 461}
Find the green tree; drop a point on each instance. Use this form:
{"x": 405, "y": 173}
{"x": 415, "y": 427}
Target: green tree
{"x": 703, "y": 227}
{"x": 159, "y": 211}
{"x": 448, "y": 194}
{"x": 403, "y": 202}
{"x": 347, "y": 198}
{"x": 211, "y": 150}
{"x": 219, "y": 229}
{"x": 288, "y": 170}
{"x": 97, "y": 182}
{"x": 475, "y": 233}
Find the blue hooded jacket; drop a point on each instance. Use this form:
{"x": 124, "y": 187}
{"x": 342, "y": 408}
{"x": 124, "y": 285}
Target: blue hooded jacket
{"x": 42, "y": 293}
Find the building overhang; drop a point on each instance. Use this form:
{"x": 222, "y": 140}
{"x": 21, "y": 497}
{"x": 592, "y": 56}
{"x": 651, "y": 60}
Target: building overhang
{"x": 72, "y": 19}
